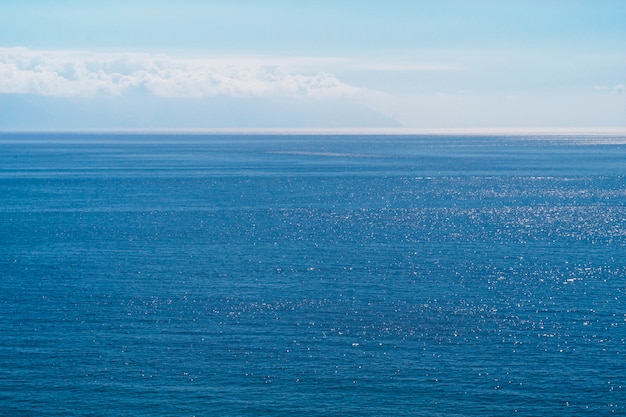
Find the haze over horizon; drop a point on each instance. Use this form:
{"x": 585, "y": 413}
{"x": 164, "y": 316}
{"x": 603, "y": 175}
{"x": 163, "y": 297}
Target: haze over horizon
{"x": 277, "y": 64}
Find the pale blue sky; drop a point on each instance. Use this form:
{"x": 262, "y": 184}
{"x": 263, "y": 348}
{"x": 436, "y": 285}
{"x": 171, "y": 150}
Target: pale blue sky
{"x": 419, "y": 64}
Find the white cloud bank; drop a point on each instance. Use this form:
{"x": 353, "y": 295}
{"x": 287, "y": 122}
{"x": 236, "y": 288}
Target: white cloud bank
{"x": 616, "y": 89}
{"x": 67, "y": 74}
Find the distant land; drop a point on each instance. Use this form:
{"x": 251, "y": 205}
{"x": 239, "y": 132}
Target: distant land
{"x": 614, "y": 134}
{"x": 46, "y": 112}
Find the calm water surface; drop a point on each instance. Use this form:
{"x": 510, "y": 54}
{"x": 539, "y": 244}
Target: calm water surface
{"x": 201, "y": 275}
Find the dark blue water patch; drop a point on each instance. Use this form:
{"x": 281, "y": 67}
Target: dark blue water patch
{"x": 334, "y": 276}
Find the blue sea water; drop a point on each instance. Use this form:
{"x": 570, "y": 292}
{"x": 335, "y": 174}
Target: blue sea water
{"x": 248, "y": 275}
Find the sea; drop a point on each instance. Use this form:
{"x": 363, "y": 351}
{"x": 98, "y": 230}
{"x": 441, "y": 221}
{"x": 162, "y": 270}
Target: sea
{"x": 241, "y": 274}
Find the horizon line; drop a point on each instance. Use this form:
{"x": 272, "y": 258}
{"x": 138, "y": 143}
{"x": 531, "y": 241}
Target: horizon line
{"x": 544, "y": 131}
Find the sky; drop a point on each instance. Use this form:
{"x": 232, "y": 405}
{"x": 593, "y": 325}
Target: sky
{"x": 312, "y": 64}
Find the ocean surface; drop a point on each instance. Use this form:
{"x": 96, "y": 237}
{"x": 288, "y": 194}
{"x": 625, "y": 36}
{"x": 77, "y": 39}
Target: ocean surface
{"x": 330, "y": 275}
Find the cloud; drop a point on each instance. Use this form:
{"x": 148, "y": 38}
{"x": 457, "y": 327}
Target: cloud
{"x": 67, "y": 74}
{"x": 616, "y": 89}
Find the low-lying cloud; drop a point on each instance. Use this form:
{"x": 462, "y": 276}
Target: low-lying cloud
{"x": 616, "y": 89}
{"x": 67, "y": 74}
